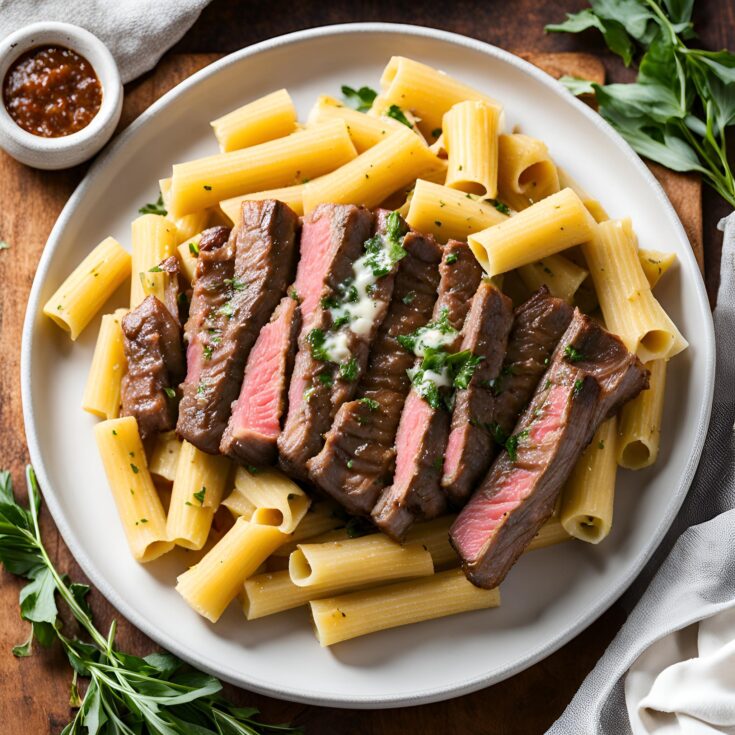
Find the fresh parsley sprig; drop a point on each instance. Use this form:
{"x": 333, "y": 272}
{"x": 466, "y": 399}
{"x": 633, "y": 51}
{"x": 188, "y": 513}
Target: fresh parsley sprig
{"x": 156, "y": 207}
{"x": 361, "y": 99}
{"x": 125, "y": 695}
{"x": 678, "y": 110}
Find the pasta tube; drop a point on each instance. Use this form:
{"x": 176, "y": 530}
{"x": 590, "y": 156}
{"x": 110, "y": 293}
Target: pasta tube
{"x": 271, "y": 492}
{"x": 471, "y": 140}
{"x": 197, "y": 492}
{"x": 318, "y": 522}
{"x": 587, "y": 498}
{"x": 367, "y": 611}
{"x": 165, "y": 456}
{"x": 424, "y": 91}
{"x": 192, "y": 224}
{"x": 365, "y": 130}
{"x": 211, "y": 585}
{"x": 137, "y": 501}
{"x": 640, "y": 422}
{"x": 375, "y": 174}
{"x": 102, "y": 390}
{"x": 628, "y": 306}
{"x": 292, "y": 196}
{"x": 93, "y": 281}
{"x": 449, "y": 214}
{"x": 550, "y": 534}
{"x": 154, "y": 283}
{"x": 264, "y": 119}
{"x": 545, "y": 228}
{"x": 526, "y": 173}
{"x": 154, "y": 240}
{"x": 188, "y": 253}
{"x": 373, "y": 558}
{"x": 655, "y": 264}
{"x": 559, "y": 274}
{"x": 281, "y": 162}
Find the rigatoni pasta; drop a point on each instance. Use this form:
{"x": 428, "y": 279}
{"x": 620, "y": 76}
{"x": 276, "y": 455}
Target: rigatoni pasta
{"x": 640, "y": 422}
{"x": 471, "y": 141}
{"x": 154, "y": 239}
{"x": 655, "y": 264}
{"x": 102, "y": 390}
{"x": 526, "y": 173}
{"x": 355, "y": 614}
{"x": 137, "y": 501}
{"x": 550, "y": 226}
{"x": 94, "y": 280}
{"x": 560, "y": 275}
{"x": 375, "y": 174}
{"x": 298, "y": 157}
{"x": 269, "y": 117}
{"x": 368, "y": 559}
{"x": 587, "y": 498}
{"x": 165, "y": 456}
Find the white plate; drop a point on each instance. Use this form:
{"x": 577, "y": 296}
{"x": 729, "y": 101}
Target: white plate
{"x": 550, "y": 595}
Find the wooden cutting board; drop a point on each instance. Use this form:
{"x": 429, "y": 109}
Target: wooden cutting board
{"x": 34, "y": 692}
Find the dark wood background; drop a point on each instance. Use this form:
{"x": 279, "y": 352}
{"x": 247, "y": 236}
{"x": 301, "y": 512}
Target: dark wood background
{"x": 34, "y": 692}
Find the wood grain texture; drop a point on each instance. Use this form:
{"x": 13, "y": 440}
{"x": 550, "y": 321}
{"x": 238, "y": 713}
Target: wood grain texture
{"x": 34, "y": 692}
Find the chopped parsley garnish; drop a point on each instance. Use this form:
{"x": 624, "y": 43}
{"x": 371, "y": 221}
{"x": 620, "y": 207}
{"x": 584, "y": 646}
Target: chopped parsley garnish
{"x": 451, "y": 258}
{"x": 601, "y": 444}
{"x": 328, "y": 302}
{"x": 155, "y": 269}
{"x": 325, "y": 379}
{"x": 436, "y": 132}
{"x": 316, "y": 339}
{"x": 350, "y": 462}
{"x": 200, "y": 495}
{"x": 227, "y": 309}
{"x": 134, "y": 468}
{"x": 154, "y": 207}
{"x": 207, "y": 351}
{"x": 467, "y": 364}
{"x": 384, "y": 251}
{"x": 578, "y": 386}
{"x": 170, "y": 392}
{"x": 360, "y": 99}
{"x": 235, "y": 284}
{"x": 511, "y": 444}
{"x": 414, "y": 342}
{"x": 502, "y": 207}
{"x": 396, "y": 113}
{"x": 409, "y": 297}
{"x": 370, "y": 403}
{"x": 293, "y": 293}
{"x": 348, "y": 370}
{"x": 194, "y": 249}
{"x": 573, "y": 354}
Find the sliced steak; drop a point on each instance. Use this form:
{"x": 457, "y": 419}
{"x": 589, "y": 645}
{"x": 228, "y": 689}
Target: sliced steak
{"x": 332, "y": 239}
{"x": 236, "y": 288}
{"x": 255, "y": 423}
{"x": 423, "y": 430}
{"x": 155, "y": 360}
{"x": 590, "y": 377}
{"x": 357, "y": 460}
{"x": 537, "y": 328}
{"x": 472, "y": 440}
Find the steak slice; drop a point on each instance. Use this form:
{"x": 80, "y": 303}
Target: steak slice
{"x": 537, "y": 328}
{"x": 591, "y": 376}
{"x": 155, "y": 360}
{"x": 358, "y": 455}
{"x": 332, "y": 239}
{"x": 472, "y": 442}
{"x": 255, "y": 423}
{"x": 423, "y": 430}
{"x": 236, "y": 288}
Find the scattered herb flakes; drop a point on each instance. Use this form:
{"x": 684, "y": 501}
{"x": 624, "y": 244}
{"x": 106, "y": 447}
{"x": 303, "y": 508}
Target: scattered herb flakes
{"x": 409, "y": 298}
{"x": 155, "y": 269}
{"x": 170, "y": 392}
{"x": 397, "y": 113}
{"x": 154, "y": 207}
{"x": 573, "y": 354}
{"x": 316, "y": 340}
{"x": 373, "y": 405}
{"x": 194, "y": 249}
{"x": 293, "y": 293}
{"x": 134, "y": 468}
{"x": 578, "y": 386}
{"x": 360, "y": 99}
{"x": 348, "y": 370}
{"x": 207, "y": 351}
{"x": 436, "y": 132}
{"x": 511, "y": 444}
{"x": 451, "y": 258}
{"x": 502, "y": 207}
{"x": 350, "y": 462}
{"x": 325, "y": 379}
{"x": 227, "y": 309}
{"x": 601, "y": 444}
{"x": 199, "y": 496}
{"x": 384, "y": 251}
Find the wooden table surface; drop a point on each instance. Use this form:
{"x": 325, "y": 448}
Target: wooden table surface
{"x": 34, "y": 692}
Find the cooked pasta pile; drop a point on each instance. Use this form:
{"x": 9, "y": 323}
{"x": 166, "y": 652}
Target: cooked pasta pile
{"x": 434, "y": 149}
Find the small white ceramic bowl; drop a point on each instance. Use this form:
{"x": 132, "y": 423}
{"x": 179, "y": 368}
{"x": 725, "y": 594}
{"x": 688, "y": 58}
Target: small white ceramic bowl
{"x": 69, "y": 150}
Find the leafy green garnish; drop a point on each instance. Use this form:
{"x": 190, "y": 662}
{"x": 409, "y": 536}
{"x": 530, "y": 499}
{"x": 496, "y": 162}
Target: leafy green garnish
{"x": 466, "y": 364}
{"x": 154, "y": 207}
{"x": 678, "y": 110}
{"x": 573, "y": 354}
{"x": 200, "y": 495}
{"x": 361, "y": 99}
{"x": 414, "y": 342}
{"x": 372, "y": 404}
{"x": 397, "y": 113}
{"x": 451, "y": 258}
{"x": 409, "y": 297}
{"x": 170, "y": 392}
{"x": 348, "y": 370}
{"x": 126, "y": 695}
{"x": 384, "y": 251}
{"x": 235, "y": 284}
{"x": 511, "y": 444}
{"x": 325, "y": 379}
{"x": 502, "y": 207}
{"x": 316, "y": 339}
{"x": 194, "y": 249}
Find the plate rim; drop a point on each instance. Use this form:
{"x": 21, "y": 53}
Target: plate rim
{"x": 248, "y": 680}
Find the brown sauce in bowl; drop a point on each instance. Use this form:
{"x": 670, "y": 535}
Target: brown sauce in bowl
{"x": 52, "y": 91}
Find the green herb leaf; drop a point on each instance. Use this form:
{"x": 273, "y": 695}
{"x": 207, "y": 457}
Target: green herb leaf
{"x": 397, "y": 113}
{"x": 170, "y": 392}
{"x": 511, "y": 444}
{"x": 573, "y": 354}
{"x": 348, "y": 370}
{"x": 373, "y": 405}
{"x": 385, "y": 250}
{"x": 360, "y": 99}
{"x": 154, "y": 207}
{"x": 200, "y": 495}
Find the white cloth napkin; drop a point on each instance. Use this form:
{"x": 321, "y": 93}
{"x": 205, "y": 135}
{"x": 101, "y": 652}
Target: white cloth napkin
{"x": 137, "y": 32}
{"x": 671, "y": 668}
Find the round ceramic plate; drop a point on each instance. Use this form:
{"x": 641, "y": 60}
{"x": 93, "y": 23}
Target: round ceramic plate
{"x": 550, "y": 595}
